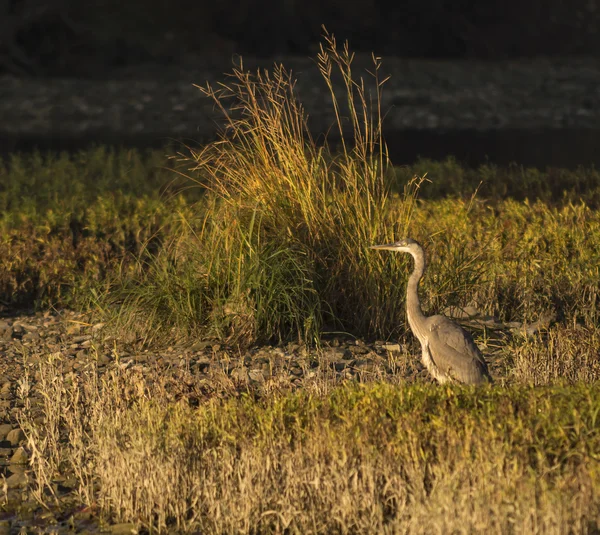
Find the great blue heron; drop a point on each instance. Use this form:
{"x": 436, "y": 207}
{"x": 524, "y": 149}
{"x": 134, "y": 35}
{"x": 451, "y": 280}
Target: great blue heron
{"x": 448, "y": 351}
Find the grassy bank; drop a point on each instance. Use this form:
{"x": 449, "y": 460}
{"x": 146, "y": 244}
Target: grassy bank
{"x": 271, "y": 246}
{"x": 68, "y": 222}
{"x": 272, "y": 243}
{"x": 372, "y": 458}
{"x": 262, "y": 236}
{"x": 515, "y": 259}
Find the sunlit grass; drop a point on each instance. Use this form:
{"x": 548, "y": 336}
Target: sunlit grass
{"x": 354, "y": 458}
{"x": 272, "y": 245}
{"x": 282, "y": 248}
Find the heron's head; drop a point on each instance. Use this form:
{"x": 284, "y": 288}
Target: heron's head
{"x": 406, "y": 245}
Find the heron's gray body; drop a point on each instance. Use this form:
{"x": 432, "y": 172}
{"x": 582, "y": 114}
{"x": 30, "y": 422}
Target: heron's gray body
{"x": 450, "y": 354}
{"x": 448, "y": 351}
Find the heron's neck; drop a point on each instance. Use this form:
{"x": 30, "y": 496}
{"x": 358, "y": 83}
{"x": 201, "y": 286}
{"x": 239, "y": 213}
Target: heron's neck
{"x": 416, "y": 319}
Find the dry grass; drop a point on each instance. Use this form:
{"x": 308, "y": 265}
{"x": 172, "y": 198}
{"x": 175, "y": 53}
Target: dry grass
{"x": 562, "y": 354}
{"x": 355, "y": 458}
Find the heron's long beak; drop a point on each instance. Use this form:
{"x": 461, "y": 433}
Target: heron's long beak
{"x": 386, "y": 247}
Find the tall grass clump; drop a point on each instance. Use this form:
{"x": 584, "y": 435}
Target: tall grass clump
{"x": 282, "y": 248}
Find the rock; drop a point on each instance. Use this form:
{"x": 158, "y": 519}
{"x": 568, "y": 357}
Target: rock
{"x": 14, "y": 436}
{"x": 5, "y": 429}
{"x": 17, "y": 468}
{"x": 103, "y": 359}
{"x": 203, "y": 344}
{"x": 296, "y": 370}
{"x": 340, "y": 365}
{"x": 19, "y": 457}
{"x": 31, "y": 336}
{"x": 358, "y": 350}
{"x": 240, "y": 374}
{"x": 73, "y": 329}
{"x": 256, "y": 375}
{"x": 465, "y": 312}
{"x": 542, "y": 324}
{"x": 365, "y": 365}
{"x": 5, "y": 331}
{"x": 202, "y": 365}
{"x": 125, "y": 528}
{"x": 17, "y": 481}
{"x": 338, "y": 353}
{"x": 82, "y": 516}
{"x": 18, "y": 329}
{"x": 6, "y": 391}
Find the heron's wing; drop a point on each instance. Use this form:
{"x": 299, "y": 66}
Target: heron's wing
{"x": 454, "y": 352}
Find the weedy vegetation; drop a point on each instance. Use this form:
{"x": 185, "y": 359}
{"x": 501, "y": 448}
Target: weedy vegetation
{"x": 353, "y": 458}
{"x": 271, "y": 246}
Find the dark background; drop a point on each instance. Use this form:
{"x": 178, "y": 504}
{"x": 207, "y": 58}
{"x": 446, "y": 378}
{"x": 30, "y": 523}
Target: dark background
{"x": 90, "y": 38}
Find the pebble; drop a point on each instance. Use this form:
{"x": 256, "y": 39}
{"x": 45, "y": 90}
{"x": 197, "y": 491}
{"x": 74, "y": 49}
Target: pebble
{"x": 17, "y": 468}
{"x": 240, "y": 374}
{"x": 14, "y": 436}
{"x": 5, "y": 331}
{"x": 6, "y": 391}
{"x": 103, "y": 359}
{"x": 19, "y": 457}
{"x": 31, "y": 336}
{"x": 256, "y": 375}
{"x": 5, "y": 429}
{"x": 340, "y": 365}
{"x": 16, "y": 481}
{"x": 358, "y": 350}
{"x": 203, "y": 344}
{"x": 17, "y": 328}
{"x": 204, "y": 368}
{"x": 125, "y": 528}
{"x": 73, "y": 329}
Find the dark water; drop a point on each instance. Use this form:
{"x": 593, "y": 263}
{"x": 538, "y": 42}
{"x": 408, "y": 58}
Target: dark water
{"x": 537, "y": 148}
{"x": 555, "y": 148}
